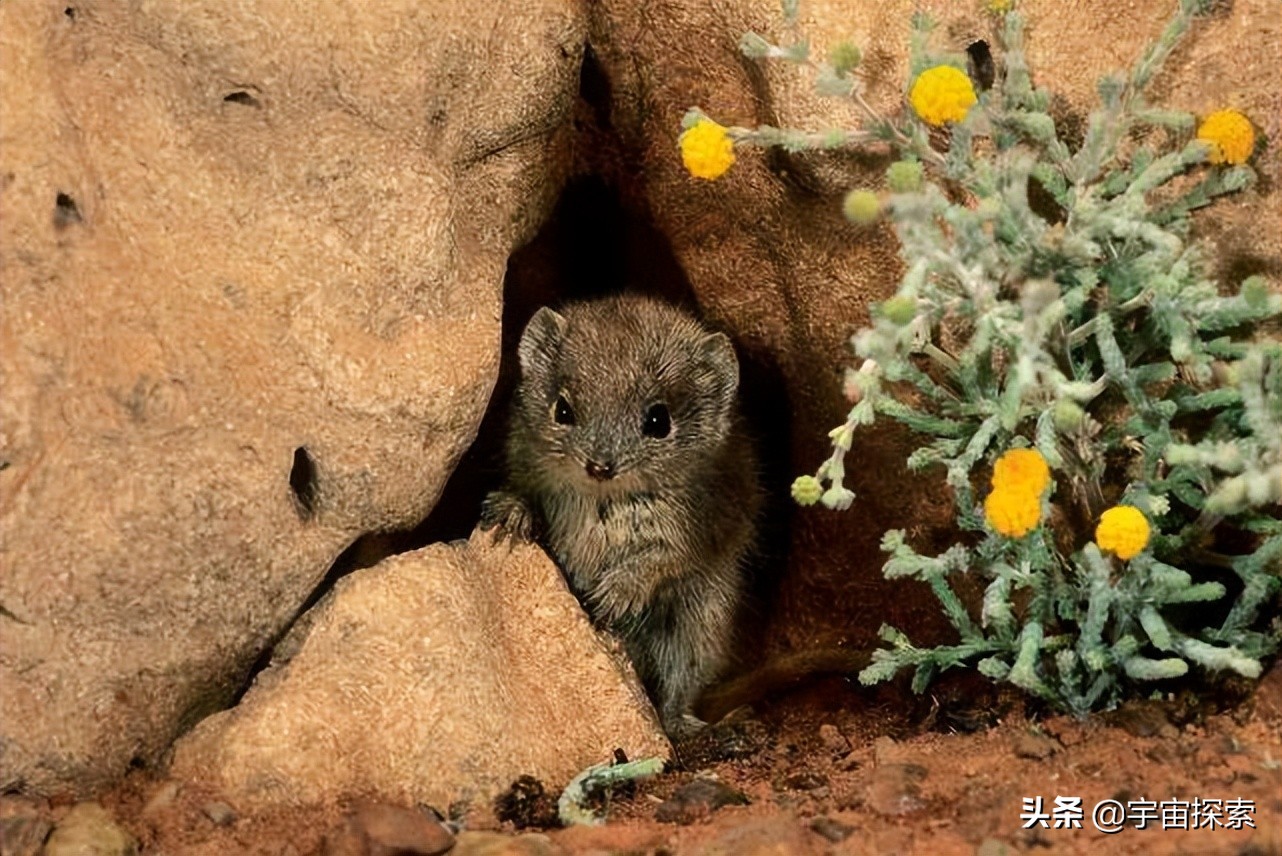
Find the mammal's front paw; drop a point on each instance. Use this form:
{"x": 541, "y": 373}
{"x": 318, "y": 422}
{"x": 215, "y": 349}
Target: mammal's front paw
{"x": 509, "y": 515}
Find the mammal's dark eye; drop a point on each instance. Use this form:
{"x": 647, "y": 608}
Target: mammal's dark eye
{"x": 656, "y": 423}
{"x": 562, "y": 412}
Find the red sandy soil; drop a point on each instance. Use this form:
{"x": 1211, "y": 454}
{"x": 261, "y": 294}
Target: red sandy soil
{"x": 944, "y": 775}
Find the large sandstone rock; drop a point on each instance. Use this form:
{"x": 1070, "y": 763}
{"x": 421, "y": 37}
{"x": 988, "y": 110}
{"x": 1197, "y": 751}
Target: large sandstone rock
{"x": 768, "y": 255}
{"x": 437, "y": 675}
{"x": 252, "y": 256}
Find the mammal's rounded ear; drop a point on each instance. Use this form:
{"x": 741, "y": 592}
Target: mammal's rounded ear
{"x": 541, "y": 339}
{"x": 718, "y": 356}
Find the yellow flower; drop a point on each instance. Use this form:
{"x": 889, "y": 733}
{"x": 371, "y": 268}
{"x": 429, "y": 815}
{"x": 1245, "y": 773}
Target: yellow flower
{"x": 942, "y": 94}
{"x": 1123, "y": 530}
{"x": 706, "y": 149}
{"x": 1013, "y": 512}
{"x": 1230, "y": 134}
{"x": 1000, "y": 7}
{"x": 1022, "y": 470}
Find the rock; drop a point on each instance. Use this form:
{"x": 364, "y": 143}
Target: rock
{"x": 833, "y": 830}
{"x": 436, "y": 675}
{"x": 1144, "y": 718}
{"x": 1030, "y": 744}
{"x": 1265, "y": 841}
{"x": 23, "y": 834}
{"x": 1065, "y": 730}
{"x": 895, "y": 789}
{"x": 994, "y": 847}
{"x": 886, "y": 751}
{"x": 777, "y": 835}
{"x": 727, "y": 740}
{"x": 852, "y": 761}
{"x": 89, "y": 830}
{"x": 219, "y": 812}
{"x": 805, "y": 780}
{"x": 253, "y": 264}
{"x": 497, "y": 844}
{"x": 161, "y": 799}
{"x": 697, "y": 799}
{"x": 380, "y": 829}
{"x": 24, "y": 824}
{"x": 833, "y": 740}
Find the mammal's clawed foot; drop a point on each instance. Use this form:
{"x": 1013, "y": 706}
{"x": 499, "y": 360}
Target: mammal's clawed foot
{"x": 509, "y": 516}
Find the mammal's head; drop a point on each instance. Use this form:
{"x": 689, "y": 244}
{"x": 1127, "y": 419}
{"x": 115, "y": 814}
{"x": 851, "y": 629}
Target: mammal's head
{"x": 623, "y": 394}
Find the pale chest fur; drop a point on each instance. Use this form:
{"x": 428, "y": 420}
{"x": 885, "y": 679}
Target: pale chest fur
{"x": 593, "y": 537}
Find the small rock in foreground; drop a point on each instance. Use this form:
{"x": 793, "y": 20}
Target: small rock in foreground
{"x": 697, "y": 798}
{"x": 23, "y": 834}
{"x": 497, "y": 844}
{"x": 89, "y": 830}
{"x": 896, "y": 789}
{"x": 379, "y": 829}
{"x": 833, "y": 830}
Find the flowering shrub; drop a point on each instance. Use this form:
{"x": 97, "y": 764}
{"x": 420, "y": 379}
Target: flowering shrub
{"x": 1056, "y": 331}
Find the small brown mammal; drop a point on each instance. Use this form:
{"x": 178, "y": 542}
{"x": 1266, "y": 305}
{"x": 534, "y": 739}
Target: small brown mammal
{"x": 627, "y": 461}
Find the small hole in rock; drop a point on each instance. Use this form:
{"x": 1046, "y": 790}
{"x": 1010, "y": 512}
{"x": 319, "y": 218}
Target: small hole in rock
{"x": 70, "y": 12}
{"x": 65, "y": 212}
{"x": 594, "y": 87}
{"x": 240, "y": 96}
{"x": 302, "y": 481}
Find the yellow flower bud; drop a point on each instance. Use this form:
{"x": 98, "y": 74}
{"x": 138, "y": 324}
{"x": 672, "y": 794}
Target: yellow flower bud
{"x": 899, "y": 310}
{"x": 861, "y": 207}
{"x": 706, "y": 150}
{"x": 806, "y": 490}
{"x": 1068, "y": 415}
{"x": 1123, "y": 530}
{"x": 1013, "y": 512}
{"x": 1022, "y": 470}
{"x": 904, "y": 176}
{"x": 942, "y": 94}
{"x": 843, "y": 57}
{"x": 1230, "y": 135}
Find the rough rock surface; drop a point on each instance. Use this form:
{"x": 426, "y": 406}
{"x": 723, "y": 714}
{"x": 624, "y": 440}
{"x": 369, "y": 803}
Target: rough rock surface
{"x": 252, "y": 257}
{"x": 437, "y": 675}
{"x": 768, "y": 255}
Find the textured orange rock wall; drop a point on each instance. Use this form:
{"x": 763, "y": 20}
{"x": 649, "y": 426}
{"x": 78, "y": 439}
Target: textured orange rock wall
{"x": 231, "y": 230}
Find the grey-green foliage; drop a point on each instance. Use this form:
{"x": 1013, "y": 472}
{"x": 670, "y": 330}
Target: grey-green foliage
{"x": 1052, "y": 299}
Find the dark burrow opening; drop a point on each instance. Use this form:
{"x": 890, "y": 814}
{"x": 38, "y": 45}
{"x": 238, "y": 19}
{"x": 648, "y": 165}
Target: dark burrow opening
{"x": 593, "y": 245}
